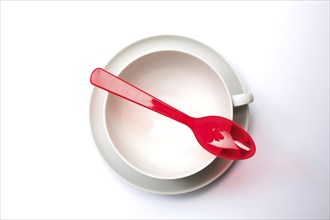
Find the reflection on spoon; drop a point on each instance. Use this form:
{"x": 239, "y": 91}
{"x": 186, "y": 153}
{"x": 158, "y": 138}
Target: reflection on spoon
{"x": 228, "y": 142}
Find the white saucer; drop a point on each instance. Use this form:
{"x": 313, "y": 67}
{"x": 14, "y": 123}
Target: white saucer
{"x": 99, "y": 130}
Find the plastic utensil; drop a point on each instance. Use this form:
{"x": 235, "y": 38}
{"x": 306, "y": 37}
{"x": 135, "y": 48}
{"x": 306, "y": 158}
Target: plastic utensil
{"x": 218, "y": 135}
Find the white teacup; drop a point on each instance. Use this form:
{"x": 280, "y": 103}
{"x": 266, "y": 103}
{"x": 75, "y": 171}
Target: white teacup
{"x": 153, "y": 144}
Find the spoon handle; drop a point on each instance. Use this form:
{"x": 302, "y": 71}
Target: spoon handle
{"x": 113, "y": 84}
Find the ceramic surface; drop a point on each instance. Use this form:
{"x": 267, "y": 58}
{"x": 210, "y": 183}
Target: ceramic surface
{"x": 212, "y": 62}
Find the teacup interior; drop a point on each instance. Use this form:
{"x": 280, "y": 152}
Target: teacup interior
{"x": 151, "y": 143}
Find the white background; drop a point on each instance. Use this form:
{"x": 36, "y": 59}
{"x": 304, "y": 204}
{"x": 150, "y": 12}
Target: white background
{"x": 50, "y": 167}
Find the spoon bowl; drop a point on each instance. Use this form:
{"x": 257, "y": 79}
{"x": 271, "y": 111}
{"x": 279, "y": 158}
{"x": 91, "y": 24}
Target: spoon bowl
{"x": 223, "y": 137}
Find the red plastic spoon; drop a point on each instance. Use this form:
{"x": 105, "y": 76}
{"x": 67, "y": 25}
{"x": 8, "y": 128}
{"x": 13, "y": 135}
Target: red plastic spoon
{"x": 218, "y": 135}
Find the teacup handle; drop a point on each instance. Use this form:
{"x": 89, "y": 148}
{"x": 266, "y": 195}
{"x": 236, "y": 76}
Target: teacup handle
{"x": 242, "y": 99}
